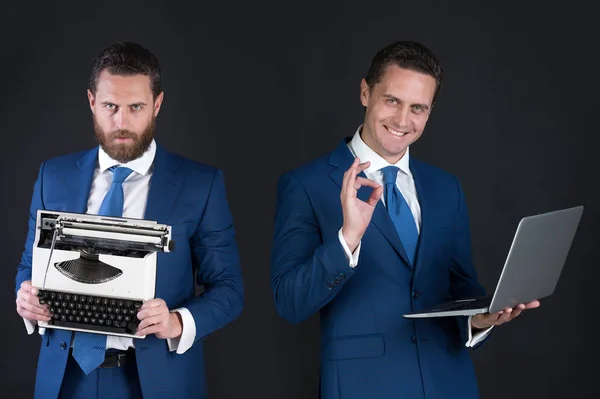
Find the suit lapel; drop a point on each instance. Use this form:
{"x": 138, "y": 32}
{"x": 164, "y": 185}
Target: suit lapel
{"x": 164, "y": 187}
{"x": 342, "y": 158}
{"x": 423, "y": 194}
{"x": 381, "y": 219}
{"x": 78, "y": 180}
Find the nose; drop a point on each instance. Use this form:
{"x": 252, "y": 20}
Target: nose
{"x": 401, "y": 117}
{"x": 121, "y": 119}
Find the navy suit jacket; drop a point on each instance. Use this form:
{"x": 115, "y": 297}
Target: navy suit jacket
{"x": 190, "y": 197}
{"x": 368, "y": 350}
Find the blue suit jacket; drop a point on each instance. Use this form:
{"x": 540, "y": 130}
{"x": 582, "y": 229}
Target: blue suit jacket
{"x": 368, "y": 350}
{"x": 190, "y": 197}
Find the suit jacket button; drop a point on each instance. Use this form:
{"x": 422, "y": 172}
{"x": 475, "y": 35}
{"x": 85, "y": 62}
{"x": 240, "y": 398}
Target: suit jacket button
{"x": 63, "y": 345}
{"x": 414, "y": 339}
{"x": 415, "y": 294}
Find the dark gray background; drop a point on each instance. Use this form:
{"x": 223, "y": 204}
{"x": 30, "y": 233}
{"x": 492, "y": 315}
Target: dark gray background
{"x": 256, "y": 88}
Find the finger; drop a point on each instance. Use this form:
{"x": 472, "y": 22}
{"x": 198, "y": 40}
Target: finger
{"x": 493, "y": 317}
{"x": 361, "y": 181}
{"x": 355, "y": 163}
{"x": 151, "y": 312}
{"x": 375, "y": 196}
{"x": 352, "y": 168}
{"x": 363, "y": 166}
{"x": 532, "y": 305}
{"x": 153, "y": 329}
{"x": 153, "y": 303}
{"x": 149, "y": 322}
{"x": 367, "y": 182}
{"x": 346, "y": 180}
{"x": 356, "y": 169}
{"x": 490, "y": 318}
{"x": 32, "y": 308}
{"x": 30, "y": 315}
{"x": 504, "y": 317}
{"x": 351, "y": 173}
{"x": 516, "y": 312}
{"x": 26, "y": 297}
{"x": 27, "y": 287}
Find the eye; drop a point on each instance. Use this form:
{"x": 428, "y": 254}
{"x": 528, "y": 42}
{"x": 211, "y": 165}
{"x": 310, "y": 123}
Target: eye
{"x": 136, "y": 107}
{"x": 392, "y": 101}
{"x": 418, "y": 108}
{"x": 111, "y": 107}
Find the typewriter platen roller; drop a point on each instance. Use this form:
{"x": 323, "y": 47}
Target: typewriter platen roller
{"x": 104, "y": 233}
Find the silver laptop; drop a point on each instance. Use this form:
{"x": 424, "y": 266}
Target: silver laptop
{"x": 532, "y": 268}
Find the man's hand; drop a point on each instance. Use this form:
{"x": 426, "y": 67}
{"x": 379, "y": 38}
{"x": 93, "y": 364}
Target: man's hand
{"x": 28, "y": 304}
{"x": 357, "y": 213}
{"x": 155, "y": 318}
{"x": 482, "y": 321}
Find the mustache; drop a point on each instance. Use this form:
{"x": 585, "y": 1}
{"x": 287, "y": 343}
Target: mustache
{"x": 122, "y": 134}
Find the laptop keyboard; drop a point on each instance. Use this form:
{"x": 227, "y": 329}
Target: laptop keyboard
{"x": 89, "y": 312}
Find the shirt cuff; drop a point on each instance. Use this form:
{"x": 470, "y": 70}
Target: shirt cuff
{"x": 478, "y": 337}
{"x": 351, "y": 257}
{"x": 188, "y": 333}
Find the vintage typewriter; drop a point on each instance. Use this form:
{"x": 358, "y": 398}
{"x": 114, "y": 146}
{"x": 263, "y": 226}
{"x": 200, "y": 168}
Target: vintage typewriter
{"x": 94, "y": 272}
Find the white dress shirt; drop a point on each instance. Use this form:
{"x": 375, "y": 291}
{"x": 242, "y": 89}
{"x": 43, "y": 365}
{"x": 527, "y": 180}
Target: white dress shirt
{"x": 406, "y": 185}
{"x": 135, "y": 190}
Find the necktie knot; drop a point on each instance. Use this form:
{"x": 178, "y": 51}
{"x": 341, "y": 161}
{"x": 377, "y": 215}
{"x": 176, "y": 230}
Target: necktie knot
{"x": 389, "y": 174}
{"x": 120, "y": 174}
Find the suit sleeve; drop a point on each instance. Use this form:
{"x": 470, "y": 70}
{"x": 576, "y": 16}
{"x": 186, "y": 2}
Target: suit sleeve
{"x": 463, "y": 276}
{"x": 24, "y": 269}
{"x": 215, "y": 257}
{"x": 307, "y": 269}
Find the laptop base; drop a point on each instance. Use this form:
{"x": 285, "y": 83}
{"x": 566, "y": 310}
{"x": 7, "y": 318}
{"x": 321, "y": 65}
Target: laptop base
{"x": 462, "y": 307}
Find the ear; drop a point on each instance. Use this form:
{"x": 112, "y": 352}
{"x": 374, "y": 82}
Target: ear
{"x": 364, "y": 92}
{"x": 91, "y": 99}
{"x": 158, "y": 103}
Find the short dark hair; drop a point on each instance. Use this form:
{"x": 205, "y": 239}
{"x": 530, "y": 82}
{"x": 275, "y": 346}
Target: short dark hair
{"x": 126, "y": 59}
{"x": 408, "y": 55}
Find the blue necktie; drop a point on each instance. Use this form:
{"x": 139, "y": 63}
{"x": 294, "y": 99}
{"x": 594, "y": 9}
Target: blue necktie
{"x": 89, "y": 348}
{"x": 400, "y": 213}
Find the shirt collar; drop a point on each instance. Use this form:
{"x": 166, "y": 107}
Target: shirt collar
{"x": 139, "y": 165}
{"x": 366, "y": 153}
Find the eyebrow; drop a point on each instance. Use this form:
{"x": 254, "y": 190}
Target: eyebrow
{"x": 424, "y": 106}
{"x": 131, "y": 105}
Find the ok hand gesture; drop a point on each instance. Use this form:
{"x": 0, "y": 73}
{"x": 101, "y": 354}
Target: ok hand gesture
{"x": 357, "y": 213}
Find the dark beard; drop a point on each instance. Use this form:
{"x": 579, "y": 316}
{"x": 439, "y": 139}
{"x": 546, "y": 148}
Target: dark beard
{"x": 125, "y": 152}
